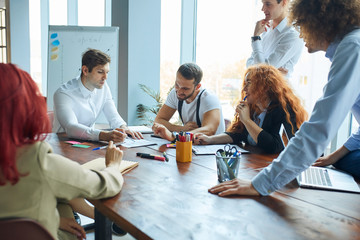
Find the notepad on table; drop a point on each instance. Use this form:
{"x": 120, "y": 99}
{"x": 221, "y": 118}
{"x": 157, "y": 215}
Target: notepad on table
{"x": 99, "y": 164}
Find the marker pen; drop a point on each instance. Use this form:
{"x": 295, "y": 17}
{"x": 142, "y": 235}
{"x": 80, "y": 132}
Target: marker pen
{"x": 98, "y": 148}
{"x": 245, "y": 98}
{"x": 149, "y": 156}
{"x": 165, "y": 156}
{"x": 103, "y": 147}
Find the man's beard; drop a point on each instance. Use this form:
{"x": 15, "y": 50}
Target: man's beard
{"x": 186, "y": 97}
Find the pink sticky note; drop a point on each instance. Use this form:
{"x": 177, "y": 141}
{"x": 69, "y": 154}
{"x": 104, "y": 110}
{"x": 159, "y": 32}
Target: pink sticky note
{"x": 73, "y": 142}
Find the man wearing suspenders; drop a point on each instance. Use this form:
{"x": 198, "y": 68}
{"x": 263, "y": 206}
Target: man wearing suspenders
{"x": 199, "y": 110}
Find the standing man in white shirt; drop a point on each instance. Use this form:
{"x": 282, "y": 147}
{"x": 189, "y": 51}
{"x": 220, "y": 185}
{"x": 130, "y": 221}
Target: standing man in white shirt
{"x": 324, "y": 28}
{"x": 274, "y": 41}
{"x": 79, "y": 102}
{"x": 199, "y": 110}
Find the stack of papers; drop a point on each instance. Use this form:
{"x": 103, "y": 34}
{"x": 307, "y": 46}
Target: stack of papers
{"x": 99, "y": 164}
{"x": 211, "y": 149}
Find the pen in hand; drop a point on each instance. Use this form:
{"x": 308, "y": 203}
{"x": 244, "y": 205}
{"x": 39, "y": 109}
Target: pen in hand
{"x": 104, "y": 147}
{"x": 243, "y": 101}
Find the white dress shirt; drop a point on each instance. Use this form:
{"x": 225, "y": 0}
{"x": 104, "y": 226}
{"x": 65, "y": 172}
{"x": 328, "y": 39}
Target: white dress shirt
{"x": 279, "y": 47}
{"x": 340, "y": 95}
{"x": 76, "y": 109}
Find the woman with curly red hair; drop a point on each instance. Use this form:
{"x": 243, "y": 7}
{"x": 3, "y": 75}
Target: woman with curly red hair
{"x": 269, "y": 103}
{"x": 32, "y": 177}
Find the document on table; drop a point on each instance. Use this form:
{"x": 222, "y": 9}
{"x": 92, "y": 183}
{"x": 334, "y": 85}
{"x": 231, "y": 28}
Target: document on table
{"x": 130, "y": 143}
{"x": 99, "y": 164}
{"x": 211, "y": 149}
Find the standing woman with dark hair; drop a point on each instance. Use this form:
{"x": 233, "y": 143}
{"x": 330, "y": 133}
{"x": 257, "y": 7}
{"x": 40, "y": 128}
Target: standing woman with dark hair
{"x": 32, "y": 177}
{"x": 269, "y": 103}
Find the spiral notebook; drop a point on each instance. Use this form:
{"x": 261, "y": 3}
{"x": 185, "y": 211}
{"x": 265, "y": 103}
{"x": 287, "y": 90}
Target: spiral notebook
{"x": 99, "y": 164}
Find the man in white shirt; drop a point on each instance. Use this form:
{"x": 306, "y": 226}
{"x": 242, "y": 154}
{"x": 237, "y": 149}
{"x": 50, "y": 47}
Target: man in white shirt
{"x": 79, "y": 102}
{"x": 199, "y": 110}
{"x": 274, "y": 42}
{"x": 324, "y": 28}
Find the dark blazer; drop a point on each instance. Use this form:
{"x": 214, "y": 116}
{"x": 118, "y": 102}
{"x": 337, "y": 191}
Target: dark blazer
{"x": 269, "y": 138}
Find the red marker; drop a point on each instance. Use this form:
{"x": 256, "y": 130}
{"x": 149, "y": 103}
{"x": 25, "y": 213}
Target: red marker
{"x": 149, "y": 156}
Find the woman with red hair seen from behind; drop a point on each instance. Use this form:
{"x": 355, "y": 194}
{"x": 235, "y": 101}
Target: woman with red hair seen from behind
{"x": 268, "y": 102}
{"x": 32, "y": 177}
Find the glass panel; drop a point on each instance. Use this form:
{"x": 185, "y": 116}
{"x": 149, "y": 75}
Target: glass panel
{"x": 2, "y": 36}
{"x": 223, "y": 46}
{"x": 309, "y": 77}
{"x": 169, "y": 44}
{"x": 58, "y": 12}
{"x": 91, "y": 12}
{"x": 35, "y": 41}
{"x": 354, "y": 124}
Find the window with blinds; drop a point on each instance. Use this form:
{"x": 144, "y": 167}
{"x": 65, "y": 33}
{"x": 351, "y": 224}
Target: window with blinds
{"x": 3, "y": 36}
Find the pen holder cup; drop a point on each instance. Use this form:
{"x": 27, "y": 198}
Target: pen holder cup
{"x": 183, "y": 151}
{"x": 227, "y": 167}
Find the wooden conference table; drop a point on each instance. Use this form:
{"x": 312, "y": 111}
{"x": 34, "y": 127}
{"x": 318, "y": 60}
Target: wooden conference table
{"x": 170, "y": 200}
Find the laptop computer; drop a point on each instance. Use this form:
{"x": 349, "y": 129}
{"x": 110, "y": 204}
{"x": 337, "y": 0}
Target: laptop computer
{"x": 321, "y": 177}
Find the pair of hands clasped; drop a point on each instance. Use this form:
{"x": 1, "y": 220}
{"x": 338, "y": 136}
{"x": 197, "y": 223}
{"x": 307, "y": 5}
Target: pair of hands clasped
{"x": 235, "y": 186}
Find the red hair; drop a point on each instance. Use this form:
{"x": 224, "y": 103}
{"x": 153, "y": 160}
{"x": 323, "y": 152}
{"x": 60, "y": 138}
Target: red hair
{"x": 23, "y": 118}
{"x": 267, "y": 82}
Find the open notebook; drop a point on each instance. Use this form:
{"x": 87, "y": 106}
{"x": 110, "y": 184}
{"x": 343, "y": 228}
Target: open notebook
{"x": 99, "y": 164}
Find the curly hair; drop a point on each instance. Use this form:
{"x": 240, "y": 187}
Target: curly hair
{"x": 23, "y": 118}
{"x": 267, "y": 82}
{"x": 325, "y": 19}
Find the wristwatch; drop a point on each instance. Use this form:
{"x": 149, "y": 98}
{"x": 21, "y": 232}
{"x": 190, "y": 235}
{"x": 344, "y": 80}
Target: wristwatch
{"x": 255, "y": 38}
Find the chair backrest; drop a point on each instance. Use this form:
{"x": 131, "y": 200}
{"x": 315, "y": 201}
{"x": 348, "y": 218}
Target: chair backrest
{"x": 22, "y": 228}
{"x": 51, "y": 118}
{"x": 227, "y": 123}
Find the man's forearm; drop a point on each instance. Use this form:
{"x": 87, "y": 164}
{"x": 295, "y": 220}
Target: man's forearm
{"x": 207, "y": 130}
{"x": 171, "y": 127}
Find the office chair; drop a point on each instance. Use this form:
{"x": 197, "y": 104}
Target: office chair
{"x": 51, "y": 118}
{"x": 22, "y": 228}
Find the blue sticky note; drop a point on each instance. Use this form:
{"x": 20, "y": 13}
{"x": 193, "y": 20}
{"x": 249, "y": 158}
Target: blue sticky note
{"x": 56, "y": 43}
{"x": 54, "y": 35}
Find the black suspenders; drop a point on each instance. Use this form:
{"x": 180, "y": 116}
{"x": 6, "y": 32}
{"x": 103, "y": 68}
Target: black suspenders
{"x": 180, "y": 104}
